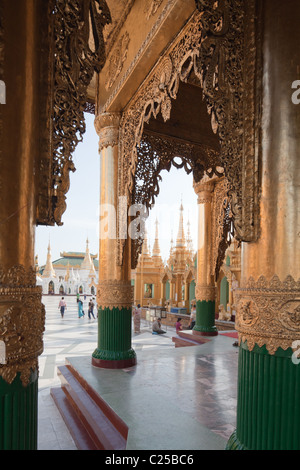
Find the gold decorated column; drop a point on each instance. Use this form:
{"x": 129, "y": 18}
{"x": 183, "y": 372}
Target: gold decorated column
{"x": 22, "y": 314}
{"x": 205, "y": 286}
{"x": 114, "y": 293}
{"x": 268, "y": 300}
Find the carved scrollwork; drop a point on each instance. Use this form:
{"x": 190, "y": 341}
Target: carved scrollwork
{"x": 77, "y": 51}
{"x": 117, "y": 60}
{"x": 218, "y": 45}
{"x": 114, "y": 294}
{"x": 157, "y": 153}
{"x": 22, "y": 323}
{"x": 222, "y": 225}
{"x": 268, "y": 313}
{"x": 207, "y": 293}
{"x": 107, "y": 127}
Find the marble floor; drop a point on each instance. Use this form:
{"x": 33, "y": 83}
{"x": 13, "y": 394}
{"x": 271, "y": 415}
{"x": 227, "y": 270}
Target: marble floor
{"x": 193, "y": 389}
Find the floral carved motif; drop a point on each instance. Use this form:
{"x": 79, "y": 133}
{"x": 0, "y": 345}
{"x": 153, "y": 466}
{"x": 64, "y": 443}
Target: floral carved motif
{"x": 22, "y": 323}
{"x": 157, "y": 153}
{"x": 117, "y": 60}
{"x": 114, "y": 294}
{"x": 207, "y": 293}
{"x": 77, "y": 51}
{"x": 107, "y": 127}
{"x": 222, "y": 225}
{"x": 268, "y": 313}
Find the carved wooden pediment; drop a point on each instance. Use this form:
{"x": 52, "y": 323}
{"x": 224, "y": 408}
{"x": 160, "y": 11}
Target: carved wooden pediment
{"x": 74, "y": 50}
{"x": 218, "y": 47}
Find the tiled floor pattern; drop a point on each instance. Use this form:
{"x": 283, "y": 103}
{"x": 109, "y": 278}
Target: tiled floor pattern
{"x": 71, "y": 337}
{"x": 205, "y": 379}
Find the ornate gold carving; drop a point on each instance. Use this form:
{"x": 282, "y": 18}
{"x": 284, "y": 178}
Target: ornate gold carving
{"x": 114, "y": 294}
{"x": 219, "y": 46}
{"x": 77, "y": 51}
{"x": 157, "y": 153}
{"x": 167, "y": 7}
{"x": 268, "y": 313}
{"x": 117, "y": 60}
{"x": 22, "y": 320}
{"x": 204, "y": 191}
{"x": 222, "y": 225}
{"x": 107, "y": 127}
{"x": 151, "y": 7}
{"x": 207, "y": 293}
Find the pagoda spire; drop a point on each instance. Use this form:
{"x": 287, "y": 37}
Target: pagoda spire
{"x": 180, "y": 236}
{"x": 87, "y": 262}
{"x": 156, "y": 248}
{"x": 49, "y": 270}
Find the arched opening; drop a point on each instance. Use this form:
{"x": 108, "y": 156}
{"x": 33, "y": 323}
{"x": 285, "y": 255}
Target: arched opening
{"x": 224, "y": 292}
{"x": 168, "y": 290}
{"x": 51, "y": 288}
{"x": 192, "y": 293}
{"x": 186, "y": 141}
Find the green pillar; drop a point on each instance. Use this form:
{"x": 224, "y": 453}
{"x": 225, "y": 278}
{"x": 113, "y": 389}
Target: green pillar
{"x": 192, "y": 292}
{"x": 18, "y": 414}
{"x": 205, "y": 318}
{"x": 114, "y": 349}
{"x": 268, "y": 401}
{"x": 167, "y": 290}
{"x": 224, "y": 292}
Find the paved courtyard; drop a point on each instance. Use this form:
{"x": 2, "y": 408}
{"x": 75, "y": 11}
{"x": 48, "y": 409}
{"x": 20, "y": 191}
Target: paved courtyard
{"x": 72, "y": 337}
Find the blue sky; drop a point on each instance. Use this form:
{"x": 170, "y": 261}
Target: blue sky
{"x": 81, "y": 217}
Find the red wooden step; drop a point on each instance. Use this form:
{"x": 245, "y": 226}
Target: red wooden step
{"x": 91, "y": 421}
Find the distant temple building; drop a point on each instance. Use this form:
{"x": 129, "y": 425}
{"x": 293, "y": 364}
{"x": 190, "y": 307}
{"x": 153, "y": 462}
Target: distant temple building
{"x": 173, "y": 284}
{"x": 73, "y": 273}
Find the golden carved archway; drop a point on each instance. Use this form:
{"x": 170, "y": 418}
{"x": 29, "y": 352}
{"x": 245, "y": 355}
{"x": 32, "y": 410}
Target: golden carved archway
{"x": 218, "y": 50}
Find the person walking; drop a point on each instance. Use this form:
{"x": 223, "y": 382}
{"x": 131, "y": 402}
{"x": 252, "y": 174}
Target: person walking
{"x": 62, "y": 306}
{"x": 80, "y": 308}
{"x": 91, "y": 309}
